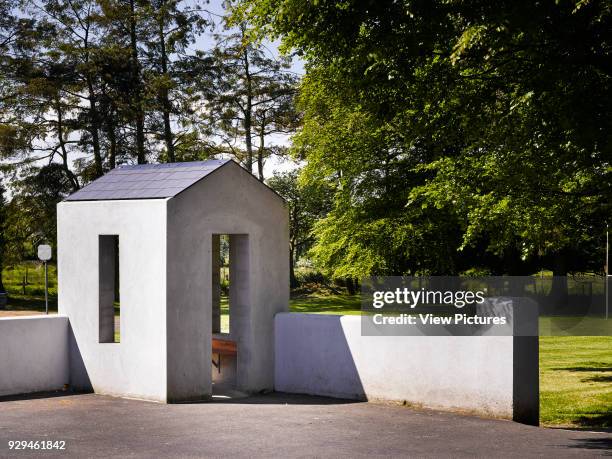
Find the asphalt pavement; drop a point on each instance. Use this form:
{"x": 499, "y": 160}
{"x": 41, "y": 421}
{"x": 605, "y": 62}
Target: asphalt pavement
{"x": 273, "y": 425}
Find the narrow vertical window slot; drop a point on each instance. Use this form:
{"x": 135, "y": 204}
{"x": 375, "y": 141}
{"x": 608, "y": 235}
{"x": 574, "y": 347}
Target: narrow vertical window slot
{"x": 109, "y": 290}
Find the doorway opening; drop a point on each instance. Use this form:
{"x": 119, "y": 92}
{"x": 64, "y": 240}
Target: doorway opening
{"x": 220, "y": 284}
{"x": 230, "y": 292}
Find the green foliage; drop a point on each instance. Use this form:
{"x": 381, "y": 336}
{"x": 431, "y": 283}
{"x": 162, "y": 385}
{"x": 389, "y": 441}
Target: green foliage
{"x": 86, "y": 85}
{"x": 93, "y": 83}
{"x": 31, "y": 214}
{"x": 307, "y": 203}
{"x": 454, "y": 134}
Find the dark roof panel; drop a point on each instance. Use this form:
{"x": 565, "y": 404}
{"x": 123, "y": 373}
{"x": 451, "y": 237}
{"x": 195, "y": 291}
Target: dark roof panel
{"x": 146, "y": 181}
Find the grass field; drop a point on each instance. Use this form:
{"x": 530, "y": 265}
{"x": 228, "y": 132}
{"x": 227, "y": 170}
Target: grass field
{"x": 575, "y": 371}
{"x": 25, "y": 285}
{"x": 576, "y": 381}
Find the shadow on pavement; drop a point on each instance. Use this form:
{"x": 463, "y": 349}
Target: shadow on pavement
{"x": 274, "y": 398}
{"x": 40, "y": 395}
{"x": 593, "y": 443}
{"x": 280, "y": 398}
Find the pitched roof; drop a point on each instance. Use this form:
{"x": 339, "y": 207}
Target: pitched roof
{"x": 146, "y": 181}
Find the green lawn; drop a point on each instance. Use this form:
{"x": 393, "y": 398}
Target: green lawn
{"x": 25, "y": 285}
{"x": 327, "y": 304}
{"x": 576, "y": 381}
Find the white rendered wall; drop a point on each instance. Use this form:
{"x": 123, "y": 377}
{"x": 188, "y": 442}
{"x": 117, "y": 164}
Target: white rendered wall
{"x": 165, "y": 248}
{"x": 135, "y": 367}
{"x": 228, "y": 201}
{"x": 33, "y": 354}
{"x": 326, "y": 355}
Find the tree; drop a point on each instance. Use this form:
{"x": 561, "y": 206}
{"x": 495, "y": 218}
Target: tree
{"x": 248, "y": 97}
{"x": 51, "y": 101}
{"x": 174, "y": 27}
{"x": 152, "y": 92}
{"x": 74, "y": 40}
{"x": 30, "y": 216}
{"x": 307, "y": 204}
{"x": 84, "y": 86}
{"x": 451, "y": 128}
{"x": 88, "y": 83}
{"x": 33, "y": 120}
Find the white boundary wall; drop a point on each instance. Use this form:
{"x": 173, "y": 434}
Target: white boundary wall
{"x": 326, "y": 355}
{"x": 33, "y": 354}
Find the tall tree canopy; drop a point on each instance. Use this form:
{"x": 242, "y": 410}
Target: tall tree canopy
{"x": 86, "y": 85}
{"x": 449, "y": 127}
{"x": 247, "y": 98}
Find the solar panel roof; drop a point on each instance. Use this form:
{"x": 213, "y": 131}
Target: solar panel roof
{"x": 146, "y": 181}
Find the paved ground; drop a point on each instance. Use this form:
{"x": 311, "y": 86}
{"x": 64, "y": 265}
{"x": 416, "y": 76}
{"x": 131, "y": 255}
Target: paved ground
{"x": 272, "y": 425}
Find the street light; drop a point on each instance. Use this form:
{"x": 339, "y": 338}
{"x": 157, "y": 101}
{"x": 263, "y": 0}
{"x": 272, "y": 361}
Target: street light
{"x": 44, "y": 255}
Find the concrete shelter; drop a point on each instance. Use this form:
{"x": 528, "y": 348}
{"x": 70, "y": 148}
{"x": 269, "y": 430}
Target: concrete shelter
{"x": 147, "y": 237}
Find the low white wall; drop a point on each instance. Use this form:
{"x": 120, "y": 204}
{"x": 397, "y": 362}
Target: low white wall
{"x": 33, "y": 354}
{"x": 326, "y": 355}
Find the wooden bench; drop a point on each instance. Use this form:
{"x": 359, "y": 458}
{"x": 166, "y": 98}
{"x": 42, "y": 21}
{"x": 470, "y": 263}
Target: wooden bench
{"x": 221, "y": 347}
{"x": 224, "y": 346}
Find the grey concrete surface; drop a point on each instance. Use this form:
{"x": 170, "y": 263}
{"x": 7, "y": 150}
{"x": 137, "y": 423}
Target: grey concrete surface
{"x": 274, "y": 425}
{"x": 165, "y": 278}
{"x": 33, "y": 354}
{"x": 228, "y": 201}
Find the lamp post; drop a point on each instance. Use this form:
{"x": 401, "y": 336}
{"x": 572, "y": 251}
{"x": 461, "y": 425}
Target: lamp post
{"x": 44, "y": 255}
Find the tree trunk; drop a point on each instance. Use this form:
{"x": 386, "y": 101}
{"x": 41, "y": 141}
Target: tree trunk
{"x": 558, "y": 291}
{"x": 260, "y": 151}
{"x": 94, "y": 119}
{"x": 94, "y": 129}
{"x": 248, "y": 112}
{"x": 2, "y": 289}
{"x": 168, "y": 136}
{"x": 3, "y": 214}
{"x": 293, "y": 283}
{"x": 62, "y": 142}
{"x": 140, "y": 138}
{"x": 140, "y": 150}
{"x": 350, "y": 286}
{"x": 163, "y": 93}
{"x": 112, "y": 151}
